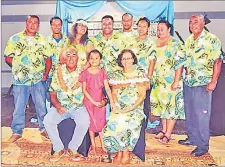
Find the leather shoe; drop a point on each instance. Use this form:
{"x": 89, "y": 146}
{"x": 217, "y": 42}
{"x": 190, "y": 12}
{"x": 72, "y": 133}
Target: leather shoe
{"x": 14, "y": 138}
{"x": 185, "y": 142}
{"x": 196, "y": 152}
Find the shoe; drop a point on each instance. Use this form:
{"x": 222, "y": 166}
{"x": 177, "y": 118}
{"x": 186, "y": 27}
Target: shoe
{"x": 14, "y": 138}
{"x": 164, "y": 140}
{"x": 186, "y": 142}
{"x": 197, "y": 152}
{"x": 159, "y": 135}
{"x": 45, "y": 135}
{"x": 57, "y": 156}
{"x": 74, "y": 156}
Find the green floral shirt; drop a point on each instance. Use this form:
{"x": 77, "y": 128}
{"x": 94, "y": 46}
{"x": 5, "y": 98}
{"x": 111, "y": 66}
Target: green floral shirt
{"x": 110, "y": 50}
{"x": 201, "y": 54}
{"x": 28, "y": 55}
{"x": 56, "y": 46}
{"x": 144, "y": 51}
{"x": 73, "y": 97}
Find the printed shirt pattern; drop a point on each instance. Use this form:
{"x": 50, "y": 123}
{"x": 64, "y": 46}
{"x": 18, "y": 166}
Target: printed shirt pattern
{"x": 166, "y": 103}
{"x": 110, "y": 50}
{"x": 56, "y": 46}
{"x": 73, "y": 97}
{"x": 201, "y": 54}
{"x": 28, "y": 56}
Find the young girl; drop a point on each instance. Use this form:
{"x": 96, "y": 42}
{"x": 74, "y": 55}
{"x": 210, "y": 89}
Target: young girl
{"x": 93, "y": 80}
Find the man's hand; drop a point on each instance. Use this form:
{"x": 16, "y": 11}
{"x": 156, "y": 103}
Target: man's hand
{"x": 61, "y": 110}
{"x": 44, "y": 77}
{"x": 175, "y": 85}
{"x": 211, "y": 86}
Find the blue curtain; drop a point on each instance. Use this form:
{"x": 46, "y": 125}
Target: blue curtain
{"x": 70, "y": 11}
{"x": 154, "y": 10}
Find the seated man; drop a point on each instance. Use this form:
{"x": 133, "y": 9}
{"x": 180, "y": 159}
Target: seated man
{"x": 66, "y": 97}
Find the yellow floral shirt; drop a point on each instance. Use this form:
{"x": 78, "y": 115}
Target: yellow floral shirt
{"x": 28, "y": 55}
{"x": 110, "y": 50}
{"x": 56, "y": 46}
{"x": 201, "y": 54}
{"x": 71, "y": 97}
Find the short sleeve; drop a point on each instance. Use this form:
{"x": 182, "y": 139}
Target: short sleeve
{"x": 54, "y": 87}
{"x": 10, "y": 47}
{"x": 105, "y": 76}
{"x": 48, "y": 50}
{"x": 215, "y": 48}
{"x": 83, "y": 76}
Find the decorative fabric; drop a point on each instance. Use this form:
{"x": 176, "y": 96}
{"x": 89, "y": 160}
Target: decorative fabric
{"x": 144, "y": 51}
{"x": 28, "y": 55}
{"x": 110, "y": 50}
{"x": 165, "y": 102}
{"x": 68, "y": 88}
{"x": 201, "y": 55}
{"x": 123, "y": 129}
{"x": 56, "y": 46}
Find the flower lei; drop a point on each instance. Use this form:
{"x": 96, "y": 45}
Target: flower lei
{"x": 64, "y": 82}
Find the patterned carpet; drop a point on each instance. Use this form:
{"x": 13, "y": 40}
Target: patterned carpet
{"x": 27, "y": 153}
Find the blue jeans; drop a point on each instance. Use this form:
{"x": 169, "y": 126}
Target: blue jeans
{"x": 197, "y": 105}
{"x": 48, "y": 83}
{"x": 21, "y": 95}
{"x": 81, "y": 119}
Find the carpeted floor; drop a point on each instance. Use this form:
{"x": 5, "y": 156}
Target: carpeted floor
{"x": 32, "y": 150}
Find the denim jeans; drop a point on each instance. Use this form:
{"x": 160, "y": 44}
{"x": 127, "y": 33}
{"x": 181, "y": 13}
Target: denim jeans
{"x": 48, "y": 83}
{"x": 21, "y": 95}
{"x": 81, "y": 119}
{"x": 197, "y": 105}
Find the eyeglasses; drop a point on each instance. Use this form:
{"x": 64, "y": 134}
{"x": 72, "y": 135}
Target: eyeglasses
{"x": 129, "y": 58}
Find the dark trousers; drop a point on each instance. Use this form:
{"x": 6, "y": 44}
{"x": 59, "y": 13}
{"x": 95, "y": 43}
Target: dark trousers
{"x": 197, "y": 105}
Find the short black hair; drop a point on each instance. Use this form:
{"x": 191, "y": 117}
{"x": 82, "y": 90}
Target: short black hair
{"x": 55, "y": 18}
{"x": 168, "y": 25}
{"x": 94, "y": 51}
{"x": 127, "y": 14}
{"x": 33, "y": 16}
{"x": 108, "y": 16}
{"x": 145, "y": 19}
{"x": 119, "y": 59}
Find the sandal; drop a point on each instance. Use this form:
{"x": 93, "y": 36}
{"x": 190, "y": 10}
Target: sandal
{"x": 164, "y": 140}
{"x": 158, "y": 136}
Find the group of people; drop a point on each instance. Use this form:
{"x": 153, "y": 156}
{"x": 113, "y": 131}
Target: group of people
{"x": 127, "y": 69}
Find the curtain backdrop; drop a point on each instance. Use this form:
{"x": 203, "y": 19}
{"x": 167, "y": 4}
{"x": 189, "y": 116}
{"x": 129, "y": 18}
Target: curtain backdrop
{"x": 70, "y": 11}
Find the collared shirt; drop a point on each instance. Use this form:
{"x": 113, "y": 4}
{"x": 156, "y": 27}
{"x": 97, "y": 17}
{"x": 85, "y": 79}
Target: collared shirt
{"x": 110, "y": 50}
{"x": 73, "y": 96}
{"x": 28, "y": 55}
{"x": 201, "y": 54}
{"x": 145, "y": 50}
{"x": 56, "y": 46}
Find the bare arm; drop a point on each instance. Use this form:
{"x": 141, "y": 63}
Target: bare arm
{"x": 141, "y": 97}
{"x": 216, "y": 73}
{"x": 151, "y": 68}
{"x": 177, "y": 78}
{"x": 8, "y": 60}
{"x": 56, "y": 104}
{"x": 48, "y": 66}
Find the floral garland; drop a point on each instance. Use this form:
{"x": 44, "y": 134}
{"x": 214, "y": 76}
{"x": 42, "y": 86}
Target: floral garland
{"x": 65, "y": 82}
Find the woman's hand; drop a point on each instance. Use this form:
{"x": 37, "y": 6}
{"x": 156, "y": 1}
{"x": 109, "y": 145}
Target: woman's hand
{"x": 126, "y": 109}
{"x": 175, "y": 85}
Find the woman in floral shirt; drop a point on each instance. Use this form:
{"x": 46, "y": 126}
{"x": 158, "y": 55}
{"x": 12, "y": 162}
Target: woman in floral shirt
{"x": 167, "y": 92}
{"x": 128, "y": 89}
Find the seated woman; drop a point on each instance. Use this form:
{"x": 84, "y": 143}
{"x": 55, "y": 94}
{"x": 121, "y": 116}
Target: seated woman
{"x": 122, "y": 131}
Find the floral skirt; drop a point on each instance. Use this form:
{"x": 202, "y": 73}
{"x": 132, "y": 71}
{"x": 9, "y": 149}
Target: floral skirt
{"x": 123, "y": 130}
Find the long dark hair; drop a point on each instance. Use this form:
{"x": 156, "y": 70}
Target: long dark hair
{"x": 73, "y": 34}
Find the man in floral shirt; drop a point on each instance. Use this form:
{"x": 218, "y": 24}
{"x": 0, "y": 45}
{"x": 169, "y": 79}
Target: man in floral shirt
{"x": 66, "y": 96}
{"x": 107, "y": 42}
{"x": 203, "y": 51}
{"x": 28, "y": 54}
{"x": 57, "y": 40}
